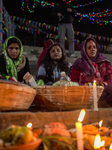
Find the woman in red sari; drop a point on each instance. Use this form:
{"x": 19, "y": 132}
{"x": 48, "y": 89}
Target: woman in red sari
{"x": 47, "y": 44}
{"x": 94, "y": 66}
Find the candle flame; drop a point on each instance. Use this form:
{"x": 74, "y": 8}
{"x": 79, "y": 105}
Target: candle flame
{"x": 81, "y": 115}
{"x": 94, "y": 82}
{"x": 110, "y": 148}
{"x": 100, "y": 123}
{"x": 102, "y": 143}
{"x": 29, "y": 125}
{"x": 97, "y": 141}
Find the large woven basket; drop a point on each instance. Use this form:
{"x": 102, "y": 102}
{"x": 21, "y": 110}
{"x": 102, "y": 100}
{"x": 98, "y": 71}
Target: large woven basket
{"x": 15, "y": 96}
{"x": 55, "y": 98}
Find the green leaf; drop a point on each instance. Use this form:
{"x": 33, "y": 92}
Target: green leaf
{"x": 46, "y": 144}
{"x": 65, "y": 142}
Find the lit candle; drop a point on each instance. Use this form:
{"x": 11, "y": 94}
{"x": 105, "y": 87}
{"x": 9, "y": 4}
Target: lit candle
{"x": 100, "y": 123}
{"x": 29, "y": 125}
{"x": 95, "y": 96}
{"x": 97, "y": 142}
{"x": 110, "y": 148}
{"x": 102, "y": 130}
{"x": 79, "y": 130}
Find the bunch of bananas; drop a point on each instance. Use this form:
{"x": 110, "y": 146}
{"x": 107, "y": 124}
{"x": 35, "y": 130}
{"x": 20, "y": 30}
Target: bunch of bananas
{"x": 16, "y": 135}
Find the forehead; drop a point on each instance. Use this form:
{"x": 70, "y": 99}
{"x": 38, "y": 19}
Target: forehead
{"x": 90, "y": 42}
{"x": 14, "y": 45}
{"x": 55, "y": 47}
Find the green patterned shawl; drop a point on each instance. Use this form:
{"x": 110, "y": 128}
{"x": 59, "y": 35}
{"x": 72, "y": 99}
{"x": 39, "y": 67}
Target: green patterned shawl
{"x": 11, "y": 66}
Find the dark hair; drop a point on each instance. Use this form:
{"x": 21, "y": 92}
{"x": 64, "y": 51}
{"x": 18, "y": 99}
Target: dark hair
{"x": 13, "y": 40}
{"x": 50, "y": 65}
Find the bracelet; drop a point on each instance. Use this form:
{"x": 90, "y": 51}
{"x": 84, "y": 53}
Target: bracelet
{"x": 103, "y": 84}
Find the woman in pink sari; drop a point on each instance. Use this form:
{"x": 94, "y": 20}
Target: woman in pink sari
{"x": 93, "y": 66}
{"x": 47, "y": 44}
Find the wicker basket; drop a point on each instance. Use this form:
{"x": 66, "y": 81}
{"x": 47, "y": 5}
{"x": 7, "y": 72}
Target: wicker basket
{"x": 65, "y": 97}
{"x": 15, "y": 96}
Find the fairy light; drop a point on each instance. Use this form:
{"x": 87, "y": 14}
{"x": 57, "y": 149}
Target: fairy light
{"x": 23, "y": 5}
{"x": 45, "y": 3}
{"x": 95, "y": 19}
{"x": 105, "y": 13}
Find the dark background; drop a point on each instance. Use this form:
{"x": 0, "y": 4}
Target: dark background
{"x": 43, "y": 15}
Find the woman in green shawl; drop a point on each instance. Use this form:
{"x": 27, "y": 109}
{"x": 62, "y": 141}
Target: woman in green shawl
{"x": 12, "y": 62}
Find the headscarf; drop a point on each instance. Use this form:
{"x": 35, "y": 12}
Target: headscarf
{"x": 47, "y": 44}
{"x": 11, "y": 66}
{"x": 84, "y": 64}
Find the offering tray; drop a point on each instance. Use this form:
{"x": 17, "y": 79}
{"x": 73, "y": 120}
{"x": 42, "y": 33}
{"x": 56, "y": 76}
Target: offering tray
{"x": 101, "y": 131}
{"x": 93, "y": 129}
{"x": 28, "y": 146}
{"x": 91, "y": 138}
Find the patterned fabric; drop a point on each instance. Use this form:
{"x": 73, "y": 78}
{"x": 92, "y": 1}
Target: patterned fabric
{"x": 84, "y": 70}
{"x": 22, "y": 63}
{"x": 10, "y": 65}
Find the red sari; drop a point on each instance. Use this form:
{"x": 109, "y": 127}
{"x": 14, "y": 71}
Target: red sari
{"x": 84, "y": 70}
{"x": 103, "y": 74}
{"x": 47, "y": 44}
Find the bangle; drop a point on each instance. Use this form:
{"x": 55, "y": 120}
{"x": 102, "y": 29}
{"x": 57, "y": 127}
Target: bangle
{"x": 103, "y": 84}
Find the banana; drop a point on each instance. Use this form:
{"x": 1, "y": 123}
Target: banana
{"x": 8, "y": 134}
{"x": 23, "y": 136}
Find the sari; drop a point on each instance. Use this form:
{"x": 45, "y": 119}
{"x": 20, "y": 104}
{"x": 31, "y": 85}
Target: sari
{"x": 84, "y": 70}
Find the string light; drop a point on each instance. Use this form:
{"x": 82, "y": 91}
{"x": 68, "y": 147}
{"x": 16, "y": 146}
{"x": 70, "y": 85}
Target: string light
{"x": 100, "y": 22}
{"x": 90, "y": 16}
{"x": 23, "y": 5}
{"x": 45, "y": 3}
{"x": 99, "y": 14}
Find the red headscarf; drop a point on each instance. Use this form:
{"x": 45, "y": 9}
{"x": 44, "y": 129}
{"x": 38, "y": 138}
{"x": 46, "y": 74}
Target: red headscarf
{"x": 47, "y": 44}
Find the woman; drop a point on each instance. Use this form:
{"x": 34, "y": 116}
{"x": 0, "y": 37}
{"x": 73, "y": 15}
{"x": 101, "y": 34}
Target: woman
{"x": 92, "y": 66}
{"x": 54, "y": 62}
{"x": 47, "y": 44}
{"x": 12, "y": 62}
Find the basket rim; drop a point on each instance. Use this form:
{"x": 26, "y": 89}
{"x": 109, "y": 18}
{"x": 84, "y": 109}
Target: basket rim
{"x": 9, "y": 82}
{"x": 65, "y": 87}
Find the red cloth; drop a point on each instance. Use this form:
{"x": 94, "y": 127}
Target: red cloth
{"x": 103, "y": 74}
{"x": 47, "y": 44}
{"x": 1, "y": 77}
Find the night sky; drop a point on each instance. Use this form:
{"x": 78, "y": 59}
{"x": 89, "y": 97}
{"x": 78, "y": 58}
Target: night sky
{"x": 43, "y": 14}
